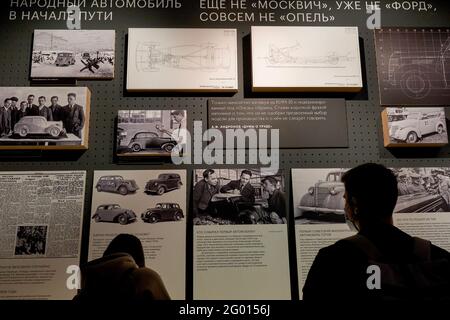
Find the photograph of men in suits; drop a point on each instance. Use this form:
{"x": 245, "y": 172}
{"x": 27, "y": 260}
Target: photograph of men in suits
{"x": 242, "y": 187}
{"x": 5, "y": 117}
{"x": 44, "y": 111}
{"x": 203, "y": 192}
{"x": 32, "y": 109}
{"x": 74, "y": 116}
{"x": 56, "y": 109}
{"x": 276, "y": 202}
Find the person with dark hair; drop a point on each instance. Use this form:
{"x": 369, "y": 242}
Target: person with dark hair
{"x": 203, "y": 192}
{"x": 340, "y": 271}
{"x": 121, "y": 275}
{"x": 73, "y": 116}
{"x": 32, "y": 109}
{"x": 5, "y": 117}
{"x": 16, "y": 112}
{"x": 242, "y": 187}
{"x": 56, "y": 109}
{"x": 44, "y": 111}
{"x": 276, "y": 202}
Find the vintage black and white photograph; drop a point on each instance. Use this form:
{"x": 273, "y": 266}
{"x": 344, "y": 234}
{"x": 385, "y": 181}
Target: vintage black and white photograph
{"x": 151, "y": 132}
{"x": 413, "y": 65}
{"x": 318, "y": 194}
{"x": 73, "y": 54}
{"x": 238, "y": 196}
{"x": 31, "y": 241}
{"x": 44, "y": 117}
{"x": 413, "y": 127}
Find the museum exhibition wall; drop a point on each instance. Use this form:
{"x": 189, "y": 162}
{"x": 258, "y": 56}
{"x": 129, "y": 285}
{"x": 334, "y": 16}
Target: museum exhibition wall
{"x": 215, "y": 131}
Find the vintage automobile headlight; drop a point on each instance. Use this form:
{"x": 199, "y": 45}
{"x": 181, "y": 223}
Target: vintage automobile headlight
{"x": 333, "y": 191}
{"x": 311, "y": 190}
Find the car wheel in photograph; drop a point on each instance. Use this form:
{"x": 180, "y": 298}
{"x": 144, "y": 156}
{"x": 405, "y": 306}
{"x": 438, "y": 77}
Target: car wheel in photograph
{"x": 160, "y": 190}
{"x": 440, "y": 129}
{"x": 54, "y": 132}
{"x": 23, "y": 132}
{"x": 123, "y": 190}
{"x": 177, "y": 216}
{"x": 123, "y": 219}
{"x": 168, "y": 147}
{"x": 411, "y": 137}
{"x": 153, "y": 218}
{"x": 415, "y": 84}
{"x": 97, "y": 219}
{"x": 136, "y": 147}
{"x": 99, "y": 189}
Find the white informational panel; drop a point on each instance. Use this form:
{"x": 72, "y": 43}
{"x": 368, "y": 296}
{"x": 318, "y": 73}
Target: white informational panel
{"x": 240, "y": 236}
{"x": 306, "y": 59}
{"x": 40, "y": 233}
{"x": 319, "y": 213}
{"x": 162, "y": 59}
{"x": 151, "y": 205}
{"x": 79, "y": 54}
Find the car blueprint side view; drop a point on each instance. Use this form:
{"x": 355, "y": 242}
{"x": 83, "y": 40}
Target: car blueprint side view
{"x": 419, "y": 72}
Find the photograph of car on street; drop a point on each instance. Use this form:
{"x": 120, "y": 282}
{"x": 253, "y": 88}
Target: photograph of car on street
{"x": 75, "y": 54}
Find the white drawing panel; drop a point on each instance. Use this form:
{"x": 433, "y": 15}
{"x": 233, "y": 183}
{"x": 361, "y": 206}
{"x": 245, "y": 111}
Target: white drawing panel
{"x": 182, "y": 60}
{"x": 306, "y": 59}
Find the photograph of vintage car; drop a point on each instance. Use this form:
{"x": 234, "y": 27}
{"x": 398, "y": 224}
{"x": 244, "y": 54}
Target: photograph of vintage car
{"x": 413, "y": 65}
{"x": 414, "y": 127}
{"x": 157, "y": 133}
{"x": 114, "y": 213}
{"x": 163, "y": 212}
{"x": 44, "y": 118}
{"x": 164, "y": 183}
{"x": 238, "y": 196}
{"x": 73, "y": 54}
{"x": 116, "y": 184}
{"x": 318, "y": 194}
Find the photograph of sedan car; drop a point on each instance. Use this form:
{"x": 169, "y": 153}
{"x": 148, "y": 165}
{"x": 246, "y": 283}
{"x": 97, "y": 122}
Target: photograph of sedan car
{"x": 157, "y": 133}
{"x": 318, "y": 194}
{"x": 164, "y": 183}
{"x": 116, "y": 184}
{"x": 414, "y": 127}
{"x": 163, "y": 212}
{"x": 114, "y": 213}
{"x": 44, "y": 118}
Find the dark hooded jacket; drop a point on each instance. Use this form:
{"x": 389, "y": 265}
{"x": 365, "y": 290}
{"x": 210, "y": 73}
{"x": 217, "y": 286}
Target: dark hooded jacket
{"x": 117, "y": 277}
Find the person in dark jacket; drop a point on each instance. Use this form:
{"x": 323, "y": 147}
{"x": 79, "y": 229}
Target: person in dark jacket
{"x": 203, "y": 192}
{"x": 32, "y": 109}
{"x": 73, "y": 115}
{"x": 276, "y": 202}
{"x": 56, "y": 109}
{"x": 242, "y": 187}
{"x": 340, "y": 271}
{"x": 5, "y": 117}
{"x": 16, "y": 112}
{"x": 44, "y": 111}
{"x": 121, "y": 276}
